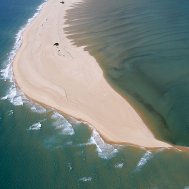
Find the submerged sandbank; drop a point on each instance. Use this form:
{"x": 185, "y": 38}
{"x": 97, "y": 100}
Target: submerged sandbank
{"x": 50, "y": 70}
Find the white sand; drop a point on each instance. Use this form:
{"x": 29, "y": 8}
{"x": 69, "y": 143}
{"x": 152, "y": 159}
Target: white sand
{"x": 70, "y": 80}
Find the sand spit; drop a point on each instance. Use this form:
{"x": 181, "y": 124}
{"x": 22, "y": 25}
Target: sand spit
{"x": 50, "y": 70}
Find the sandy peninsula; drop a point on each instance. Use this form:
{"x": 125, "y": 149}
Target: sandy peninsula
{"x": 50, "y": 70}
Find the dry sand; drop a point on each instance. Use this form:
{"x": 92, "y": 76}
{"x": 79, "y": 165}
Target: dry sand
{"x": 68, "y": 79}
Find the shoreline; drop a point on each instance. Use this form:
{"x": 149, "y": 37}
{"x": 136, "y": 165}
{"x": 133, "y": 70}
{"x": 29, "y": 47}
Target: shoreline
{"x": 75, "y": 87}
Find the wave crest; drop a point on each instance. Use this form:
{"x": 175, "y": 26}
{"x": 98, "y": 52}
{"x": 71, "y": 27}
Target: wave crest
{"x": 105, "y": 151}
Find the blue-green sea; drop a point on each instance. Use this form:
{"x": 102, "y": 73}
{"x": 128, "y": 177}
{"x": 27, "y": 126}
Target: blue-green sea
{"x": 142, "y": 47}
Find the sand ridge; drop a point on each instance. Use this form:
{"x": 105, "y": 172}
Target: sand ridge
{"x": 50, "y": 70}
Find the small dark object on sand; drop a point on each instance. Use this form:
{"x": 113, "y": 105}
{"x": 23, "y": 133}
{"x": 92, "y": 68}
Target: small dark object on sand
{"x": 56, "y": 44}
{"x": 62, "y": 2}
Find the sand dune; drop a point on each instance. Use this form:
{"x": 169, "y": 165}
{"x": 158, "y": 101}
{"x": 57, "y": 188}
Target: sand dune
{"x": 69, "y": 79}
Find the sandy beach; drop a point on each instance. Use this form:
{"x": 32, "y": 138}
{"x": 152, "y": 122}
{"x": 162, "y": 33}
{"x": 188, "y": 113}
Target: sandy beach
{"x": 51, "y": 71}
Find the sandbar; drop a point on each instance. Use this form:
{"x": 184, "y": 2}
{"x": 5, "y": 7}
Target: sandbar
{"x": 51, "y": 70}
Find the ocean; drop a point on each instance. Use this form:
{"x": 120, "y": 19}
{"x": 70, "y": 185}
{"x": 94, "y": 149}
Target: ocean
{"x": 142, "y": 49}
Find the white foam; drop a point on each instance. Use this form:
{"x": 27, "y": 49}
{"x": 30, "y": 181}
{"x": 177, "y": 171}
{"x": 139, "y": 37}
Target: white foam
{"x": 56, "y": 115}
{"x": 186, "y": 187}
{"x": 11, "y": 112}
{"x": 35, "y": 126}
{"x": 18, "y": 101}
{"x": 70, "y": 167}
{"x": 86, "y": 179}
{"x": 119, "y": 165}
{"x": 144, "y": 159}
{"x": 62, "y": 124}
{"x": 4, "y": 98}
{"x": 37, "y": 109}
{"x": 84, "y": 144}
{"x": 74, "y": 121}
{"x": 14, "y": 96}
{"x": 105, "y": 151}
{"x": 7, "y": 73}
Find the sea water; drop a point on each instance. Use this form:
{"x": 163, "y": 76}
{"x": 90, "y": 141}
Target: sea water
{"x": 41, "y": 148}
{"x": 142, "y": 47}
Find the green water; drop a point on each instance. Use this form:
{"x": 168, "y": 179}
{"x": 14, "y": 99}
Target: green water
{"x": 142, "y": 47}
{"x": 39, "y": 148}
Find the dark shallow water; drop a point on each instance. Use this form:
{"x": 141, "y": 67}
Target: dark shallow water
{"x": 142, "y": 47}
{"x": 39, "y": 148}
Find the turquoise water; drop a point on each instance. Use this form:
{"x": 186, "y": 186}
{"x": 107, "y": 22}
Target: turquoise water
{"x": 40, "y": 148}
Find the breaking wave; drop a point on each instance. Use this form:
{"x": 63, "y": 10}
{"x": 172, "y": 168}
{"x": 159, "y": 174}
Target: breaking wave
{"x": 105, "y": 151}
{"x": 119, "y": 165}
{"x": 38, "y": 109}
{"x": 85, "y": 179}
{"x": 144, "y": 159}
{"x": 10, "y": 112}
{"x": 62, "y": 124}
{"x": 7, "y": 73}
{"x": 35, "y": 126}
{"x": 14, "y": 95}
